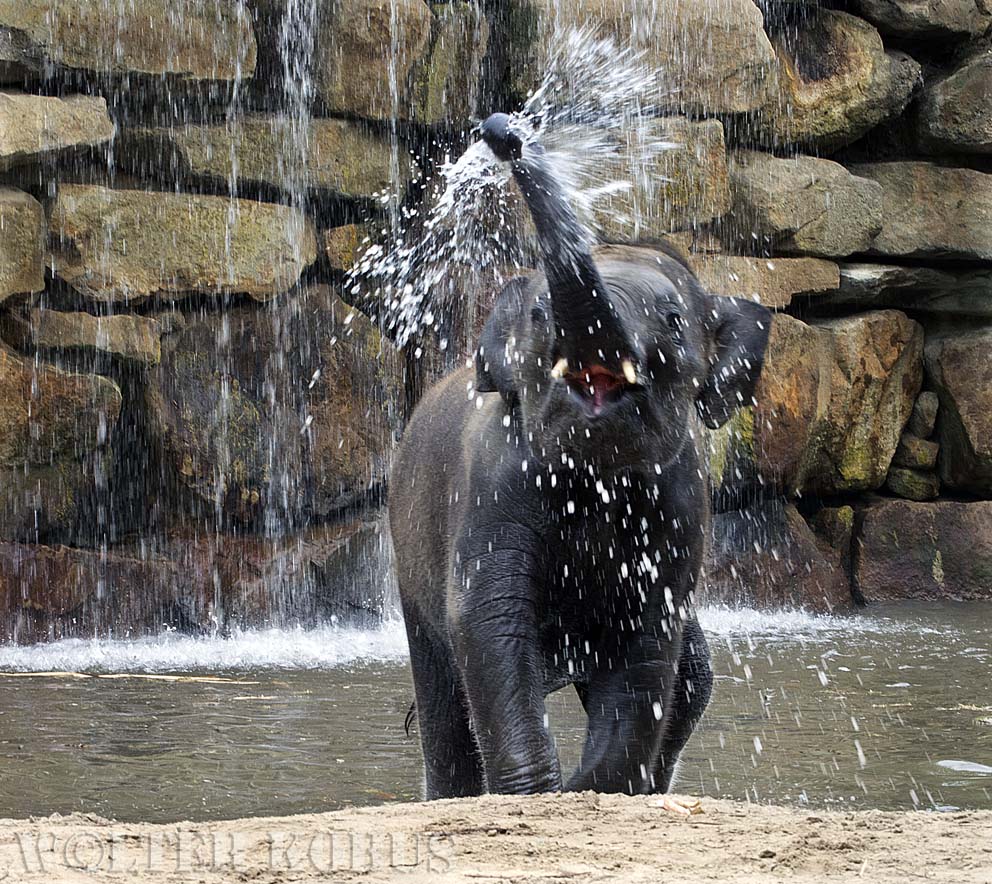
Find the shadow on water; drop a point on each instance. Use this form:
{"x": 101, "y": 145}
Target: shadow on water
{"x": 886, "y": 710}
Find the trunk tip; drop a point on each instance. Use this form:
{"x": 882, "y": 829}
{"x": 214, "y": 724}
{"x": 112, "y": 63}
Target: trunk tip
{"x": 496, "y": 131}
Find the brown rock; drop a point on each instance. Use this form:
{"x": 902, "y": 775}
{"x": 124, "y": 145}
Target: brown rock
{"x": 58, "y": 580}
{"x": 804, "y": 205}
{"x": 34, "y": 125}
{"x": 767, "y": 444}
{"x": 343, "y": 246}
{"x": 772, "y": 281}
{"x": 955, "y": 112}
{"x": 22, "y": 244}
{"x": 675, "y": 189}
{"x": 831, "y": 404}
{"x": 912, "y": 287}
{"x": 336, "y": 155}
{"x": 835, "y": 82}
{"x": 337, "y": 570}
{"x": 834, "y": 526}
{"x": 54, "y": 432}
{"x": 200, "y": 39}
{"x": 128, "y": 245}
{"x": 714, "y": 56}
{"x": 932, "y": 211}
{"x": 366, "y": 49}
{"x": 925, "y": 550}
{"x": 767, "y": 556}
{"x": 876, "y": 374}
{"x": 131, "y": 338}
{"x": 446, "y": 83}
{"x": 916, "y": 453}
{"x": 927, "y": 19}
{"x": 912, "y": 484}
{"x": 960, "y": 369}
{"x": 276, "y": 421}
{"x": 924, "y": 416}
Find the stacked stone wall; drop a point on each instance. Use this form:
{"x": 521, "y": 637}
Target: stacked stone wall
{"x": 196, "y": 413}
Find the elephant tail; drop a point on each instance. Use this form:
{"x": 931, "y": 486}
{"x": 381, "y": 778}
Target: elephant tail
{"x": 410, "y": 715}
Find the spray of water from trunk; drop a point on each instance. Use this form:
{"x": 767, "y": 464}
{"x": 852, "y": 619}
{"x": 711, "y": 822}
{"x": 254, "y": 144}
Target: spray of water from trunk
{"x": 592, "y": 111}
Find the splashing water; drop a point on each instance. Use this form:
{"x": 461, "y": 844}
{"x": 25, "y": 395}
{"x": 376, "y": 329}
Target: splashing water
{"x": 593, "y": 113}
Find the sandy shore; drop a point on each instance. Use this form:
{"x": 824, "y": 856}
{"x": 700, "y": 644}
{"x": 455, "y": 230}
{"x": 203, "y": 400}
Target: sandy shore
{"x": 544, "y": 838}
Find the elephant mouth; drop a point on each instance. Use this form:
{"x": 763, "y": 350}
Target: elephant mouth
{"x": 597, "y": 387}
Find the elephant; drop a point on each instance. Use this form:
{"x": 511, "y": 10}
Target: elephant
{"x": 548, "y": 510}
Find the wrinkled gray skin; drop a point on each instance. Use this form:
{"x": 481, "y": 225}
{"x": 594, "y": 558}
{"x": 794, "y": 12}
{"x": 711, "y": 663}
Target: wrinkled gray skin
{"x": 549, "y": 531}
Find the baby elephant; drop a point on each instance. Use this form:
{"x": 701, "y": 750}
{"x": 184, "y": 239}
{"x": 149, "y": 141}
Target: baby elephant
{"x": 549, "y": 511}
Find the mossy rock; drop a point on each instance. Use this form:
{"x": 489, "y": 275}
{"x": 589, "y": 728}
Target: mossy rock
{"x": 55, "y": 432}
{"x": 273, "y": 415}
{"x": 129, "y": 245}
{"x": 22, "y": 245}
{"x": 343, "y": 157}
{"x": 195, "y": 39}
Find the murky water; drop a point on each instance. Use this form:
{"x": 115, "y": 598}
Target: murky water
{"x": 891, "y": 709}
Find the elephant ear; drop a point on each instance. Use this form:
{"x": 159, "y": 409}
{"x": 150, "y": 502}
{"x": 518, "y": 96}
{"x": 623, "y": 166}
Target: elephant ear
{"x": 739, "y": 331}
{"x": 493, "y": 368}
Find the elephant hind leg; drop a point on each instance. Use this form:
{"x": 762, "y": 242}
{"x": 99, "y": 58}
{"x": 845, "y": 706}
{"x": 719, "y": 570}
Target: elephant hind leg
{"x": 690, "y": 698}
{"x": 452, "y": 761}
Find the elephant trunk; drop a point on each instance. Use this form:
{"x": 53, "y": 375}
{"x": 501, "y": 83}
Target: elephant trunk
{"x": 588, "y": 329}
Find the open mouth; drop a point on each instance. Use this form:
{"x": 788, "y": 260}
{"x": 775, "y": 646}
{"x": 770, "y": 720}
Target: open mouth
{"x": 597, "y": 386}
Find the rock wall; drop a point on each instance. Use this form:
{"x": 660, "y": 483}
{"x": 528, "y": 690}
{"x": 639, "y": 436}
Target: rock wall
{"x": 196, "y": 413}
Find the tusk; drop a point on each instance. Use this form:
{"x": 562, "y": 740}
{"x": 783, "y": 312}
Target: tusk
{"x": 560, "y": 367}
{"x": 628, "y": 371}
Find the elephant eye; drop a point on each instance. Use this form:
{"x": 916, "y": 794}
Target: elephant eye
{"x": 537, "y": 314}
{"x": 675, "y": 323}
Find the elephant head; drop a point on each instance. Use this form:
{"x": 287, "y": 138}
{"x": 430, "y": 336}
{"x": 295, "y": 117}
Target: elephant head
{"x": 611, "y": 350}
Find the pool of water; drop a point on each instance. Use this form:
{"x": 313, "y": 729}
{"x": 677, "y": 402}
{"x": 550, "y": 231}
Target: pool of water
{"x": 889, "y": 709}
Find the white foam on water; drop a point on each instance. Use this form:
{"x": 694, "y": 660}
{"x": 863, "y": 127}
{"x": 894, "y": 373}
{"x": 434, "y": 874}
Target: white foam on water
{"x": 329, "y": 647}
{"x": 965, "y": 766}
{"x": 796, "y": 624}
{"x": 325, "y": 647}
{"x": 785, "y": 624}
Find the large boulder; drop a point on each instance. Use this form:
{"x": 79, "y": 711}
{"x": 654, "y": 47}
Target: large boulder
{"x": 765, "y": 445}
{"x": 932, "y": 211}
{"x": 128, "y": 245}
{"x": 386, "y": 59}
{"x": 955, "y": 112}
{"x": 446, "y": 84}
{"x": 774, "y": 282}
{"x": 196, "y": 582}
{"x": 55, "y": 433}
{"x": 714, "y": 56}
{"x": 927, "y": 19}
{"x": 22, "y": 244}
{"x": 49, "y": 592}
{"x": 269, "y": 417}
{"x": 673, "y": 189}
{"x": 832, "y": 401}
{"x": 835, "y": 82}
{"x": 960, "y": 369}
{"x": 337, "y": 570}
{"x": 914, "y": 287}
{"x": 32, "y": 126}
{"x": 940, "y": 550}
{"x": 129, "y": 338}
{"x": 341, "y": 156}
{"x": 804, "y": 205}
{"x": 876, "y": 373}
{"x": 766, "y": 555}
{"x": 201, "y": 39}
